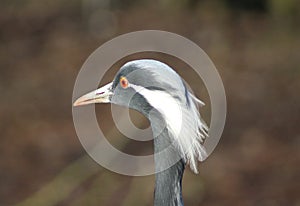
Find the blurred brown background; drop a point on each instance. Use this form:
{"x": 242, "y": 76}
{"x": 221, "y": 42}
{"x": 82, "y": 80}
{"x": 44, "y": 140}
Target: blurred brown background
{"x": 254, "y": 44}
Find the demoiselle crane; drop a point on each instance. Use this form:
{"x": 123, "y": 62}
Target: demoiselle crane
{"x": 160, "y": 94}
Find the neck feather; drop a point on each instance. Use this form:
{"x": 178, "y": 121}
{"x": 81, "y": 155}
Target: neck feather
{"x": 168, "y": 187}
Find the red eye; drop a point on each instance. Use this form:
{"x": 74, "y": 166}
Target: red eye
{"x": 124, "y": 82}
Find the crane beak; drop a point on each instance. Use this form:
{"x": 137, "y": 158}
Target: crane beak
{"x": 101, "y": 95}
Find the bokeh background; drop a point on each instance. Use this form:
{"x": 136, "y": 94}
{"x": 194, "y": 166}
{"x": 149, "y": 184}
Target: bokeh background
{"x": 254, "y": 44}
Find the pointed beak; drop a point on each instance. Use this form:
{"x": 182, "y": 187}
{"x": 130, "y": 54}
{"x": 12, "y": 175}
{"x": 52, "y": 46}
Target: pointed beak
{"x": 101, "y": 95}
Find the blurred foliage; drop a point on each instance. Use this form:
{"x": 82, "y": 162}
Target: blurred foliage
{"x": 288, "y": 7}
{"x": 248, "y": 5}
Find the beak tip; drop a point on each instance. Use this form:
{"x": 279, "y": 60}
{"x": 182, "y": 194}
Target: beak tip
{"x": 100, "y": 95}
{"x": 80, "y": 101}
{"x": 76, "y": 103}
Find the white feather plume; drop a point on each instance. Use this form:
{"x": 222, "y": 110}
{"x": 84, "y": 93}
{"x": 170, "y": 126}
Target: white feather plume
{"x": 181, "y": 115}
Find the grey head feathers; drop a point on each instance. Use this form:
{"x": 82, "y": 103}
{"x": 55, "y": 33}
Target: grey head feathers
{"x": 162, "y": 89}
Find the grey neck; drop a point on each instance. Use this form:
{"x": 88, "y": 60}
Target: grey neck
{"x": 168, "y": 186}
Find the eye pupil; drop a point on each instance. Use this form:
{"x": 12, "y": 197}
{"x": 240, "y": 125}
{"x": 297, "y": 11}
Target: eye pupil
{"x": 124, "y": 82}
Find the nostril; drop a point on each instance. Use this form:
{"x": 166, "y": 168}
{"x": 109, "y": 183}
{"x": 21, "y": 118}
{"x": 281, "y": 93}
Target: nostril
{"x": 99, "y": 93}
